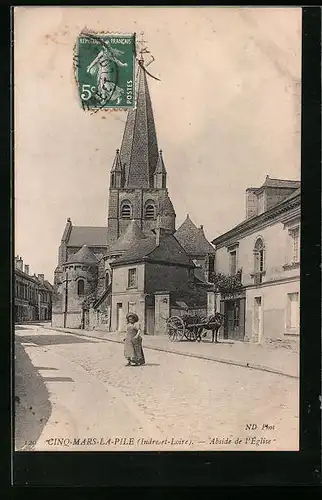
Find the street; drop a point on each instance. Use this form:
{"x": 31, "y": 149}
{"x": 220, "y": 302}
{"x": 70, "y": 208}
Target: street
{"x": 75, "y": 393}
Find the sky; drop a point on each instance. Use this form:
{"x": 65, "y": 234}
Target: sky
{"x": 227, "y": 112}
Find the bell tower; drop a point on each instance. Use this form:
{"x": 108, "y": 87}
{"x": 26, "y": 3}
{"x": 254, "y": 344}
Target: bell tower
{"x": 138, "y": 190}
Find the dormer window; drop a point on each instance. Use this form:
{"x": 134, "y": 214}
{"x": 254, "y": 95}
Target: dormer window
{"x": 126, "y": 210}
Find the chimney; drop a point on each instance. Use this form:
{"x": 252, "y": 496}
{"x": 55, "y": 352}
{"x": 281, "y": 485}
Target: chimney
{"x": 19, "y": 263}
{"x": 41, "y": 277}
{"x": 251, "y": 202}
{"x": 26, "y": 268}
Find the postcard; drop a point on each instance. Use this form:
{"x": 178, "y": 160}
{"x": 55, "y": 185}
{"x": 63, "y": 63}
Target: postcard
{"x": 157, "y": 228}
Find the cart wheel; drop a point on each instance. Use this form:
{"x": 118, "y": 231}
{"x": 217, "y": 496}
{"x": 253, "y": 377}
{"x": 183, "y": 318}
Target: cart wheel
{"x": 191, "y": 334}
{"x": 176, "y": 328}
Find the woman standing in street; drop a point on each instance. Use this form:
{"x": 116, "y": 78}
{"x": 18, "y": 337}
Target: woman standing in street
{"x": 133, "y": 351}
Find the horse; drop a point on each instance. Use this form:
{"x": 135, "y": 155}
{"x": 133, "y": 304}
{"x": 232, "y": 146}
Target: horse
{"x": 213, "y": 323}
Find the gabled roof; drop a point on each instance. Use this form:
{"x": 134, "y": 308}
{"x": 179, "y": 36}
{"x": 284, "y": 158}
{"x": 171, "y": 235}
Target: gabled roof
{"x": 87, "y": 235}
{"x": 139, "y": 149}
{"x": 193, "y": 239}
{"x": 128, "y": 238}
{"x": 83, "y": 256}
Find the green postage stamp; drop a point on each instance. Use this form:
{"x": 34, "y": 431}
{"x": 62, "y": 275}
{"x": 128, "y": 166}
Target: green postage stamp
{"x": 105, "y": 70}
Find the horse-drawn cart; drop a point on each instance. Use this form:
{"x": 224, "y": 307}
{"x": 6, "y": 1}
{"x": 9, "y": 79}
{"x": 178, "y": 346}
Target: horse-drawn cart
{"x": 191, "y": 326}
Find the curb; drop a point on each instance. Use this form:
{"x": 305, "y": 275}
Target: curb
{"x": 241, "y": 364}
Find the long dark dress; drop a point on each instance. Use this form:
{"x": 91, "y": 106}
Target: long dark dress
{"x": 133, "y": 347}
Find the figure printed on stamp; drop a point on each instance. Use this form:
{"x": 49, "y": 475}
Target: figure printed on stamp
{"x": 133, "y": 351}
{"x": 104, "y": 65}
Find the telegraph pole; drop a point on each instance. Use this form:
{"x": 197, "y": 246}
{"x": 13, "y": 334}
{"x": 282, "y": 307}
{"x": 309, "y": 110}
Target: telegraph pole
{"x": 66, "y": 301}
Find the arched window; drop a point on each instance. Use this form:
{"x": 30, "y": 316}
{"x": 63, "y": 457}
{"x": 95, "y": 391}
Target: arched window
{"x": 259, "y": 256}
{"x": 80, "y": 287}
{"x": 126, "y": 210}
{"x": 150, "y": 210}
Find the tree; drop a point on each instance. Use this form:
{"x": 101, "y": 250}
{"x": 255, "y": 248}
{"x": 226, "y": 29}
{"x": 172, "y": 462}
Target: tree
{"x": 227, "y": 284}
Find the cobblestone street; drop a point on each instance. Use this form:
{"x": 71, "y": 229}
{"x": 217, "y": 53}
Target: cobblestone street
{"x": 182, "y": 401}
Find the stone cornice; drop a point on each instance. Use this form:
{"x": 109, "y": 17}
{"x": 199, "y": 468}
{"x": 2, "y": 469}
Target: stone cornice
{"x": 147, "y": 259}
{"x": 275, "y": 214}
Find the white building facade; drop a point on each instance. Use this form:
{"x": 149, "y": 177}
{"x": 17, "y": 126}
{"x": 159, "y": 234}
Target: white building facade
{"x": 265, "y": 250}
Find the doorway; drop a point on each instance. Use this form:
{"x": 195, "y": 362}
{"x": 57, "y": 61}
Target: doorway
{"x": 234, "y": 322}
{"x": 257, "y": 319}
{"x": 119, "y": 316}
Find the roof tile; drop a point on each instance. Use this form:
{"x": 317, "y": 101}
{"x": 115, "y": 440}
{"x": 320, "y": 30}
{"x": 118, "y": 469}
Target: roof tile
{"x": 87, "y": 235}
{"x": 193, "y": 239}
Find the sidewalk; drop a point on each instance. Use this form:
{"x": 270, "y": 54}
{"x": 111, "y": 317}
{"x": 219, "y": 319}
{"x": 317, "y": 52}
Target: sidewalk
{"x": 279, "y": 360}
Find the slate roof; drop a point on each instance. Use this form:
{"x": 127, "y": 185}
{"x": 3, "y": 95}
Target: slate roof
{"x": 139, "y": 149}
{"x": 87, "y": 235}
{"x": 276, "y": 183}
{"x": 293, "y": 195}
{"x": 142, "y": 249}
{"x": 160, "y": 168}
{"x": 117, "y": 165}
{"x": 169, "y": 250}
{"x": 128, "y": 238}
{"x": 283, "y": 183}
{"x": 165, "y": 204}
{"x": 193, "y": 239}
{"x": 83, "y": 256}
{"x": 200, "y": 275}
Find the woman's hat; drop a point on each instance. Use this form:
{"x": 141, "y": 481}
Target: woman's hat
{"x": 132, "y": 315}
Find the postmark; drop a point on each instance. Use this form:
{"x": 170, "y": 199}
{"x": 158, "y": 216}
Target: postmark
{"x": 105, "y": 70}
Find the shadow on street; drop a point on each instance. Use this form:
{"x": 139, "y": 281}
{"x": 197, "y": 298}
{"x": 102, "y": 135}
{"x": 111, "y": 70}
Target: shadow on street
{"x": 32, "y": 407}
{"x": 43, "y": 340}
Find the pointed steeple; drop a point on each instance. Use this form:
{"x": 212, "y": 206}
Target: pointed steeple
{"x": 160, "y": 174}
{"x": 117, "y": 171}
{"x": 139, "y": 149}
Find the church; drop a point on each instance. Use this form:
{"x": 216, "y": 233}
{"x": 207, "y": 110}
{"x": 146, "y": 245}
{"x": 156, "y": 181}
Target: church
{"x": 139, "y": 262}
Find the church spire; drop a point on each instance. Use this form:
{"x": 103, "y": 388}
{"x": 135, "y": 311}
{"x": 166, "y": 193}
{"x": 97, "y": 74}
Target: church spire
{"x": 160, "y": 173}
{"x": 139, "y": 149}
{"x": 117, "y": 171}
